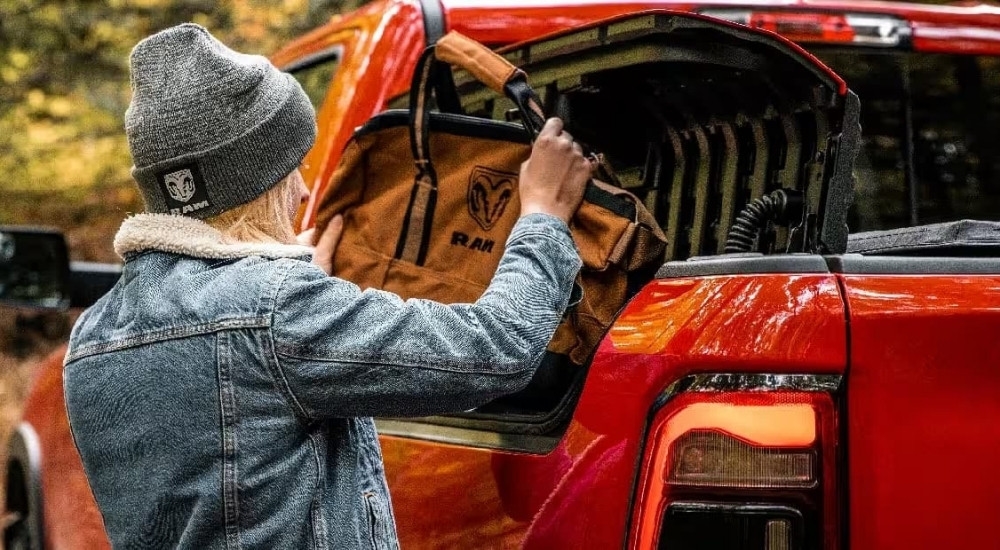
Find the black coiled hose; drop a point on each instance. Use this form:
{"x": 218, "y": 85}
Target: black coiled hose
{"x": 776, "y": 206}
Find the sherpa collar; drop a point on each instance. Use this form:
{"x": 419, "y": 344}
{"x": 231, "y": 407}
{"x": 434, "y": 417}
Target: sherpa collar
{"x": 192, "y": 237}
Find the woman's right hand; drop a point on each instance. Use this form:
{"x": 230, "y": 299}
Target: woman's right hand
{"x": 555, "y": 175}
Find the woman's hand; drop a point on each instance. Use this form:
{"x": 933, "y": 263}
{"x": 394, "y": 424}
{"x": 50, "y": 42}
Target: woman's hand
{"x": 327, "y": 244}
{"x": 554, "y": 177}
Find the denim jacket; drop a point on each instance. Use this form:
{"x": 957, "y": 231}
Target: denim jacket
{"x": 221, "y": 395}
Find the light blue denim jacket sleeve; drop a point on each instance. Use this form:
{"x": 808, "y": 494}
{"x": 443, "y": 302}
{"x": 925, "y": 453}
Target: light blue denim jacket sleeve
{"x": 344, "y": 353}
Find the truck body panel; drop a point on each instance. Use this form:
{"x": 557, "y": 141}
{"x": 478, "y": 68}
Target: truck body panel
{"x": 579, "y": 493}
{"x": 921, "y": 394}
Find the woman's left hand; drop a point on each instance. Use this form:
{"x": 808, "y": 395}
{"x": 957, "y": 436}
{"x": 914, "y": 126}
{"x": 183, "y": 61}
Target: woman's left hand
{"x": 327, "y": 243}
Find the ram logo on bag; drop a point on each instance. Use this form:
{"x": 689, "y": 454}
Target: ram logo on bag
{"x": 490, "y": 191}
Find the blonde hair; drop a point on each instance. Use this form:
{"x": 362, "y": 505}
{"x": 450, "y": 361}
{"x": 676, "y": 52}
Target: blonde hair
{"x": 268, "y": 218}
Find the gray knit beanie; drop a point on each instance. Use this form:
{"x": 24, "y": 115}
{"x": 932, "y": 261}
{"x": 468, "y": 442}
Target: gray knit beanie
{"x": 210, "y": 128}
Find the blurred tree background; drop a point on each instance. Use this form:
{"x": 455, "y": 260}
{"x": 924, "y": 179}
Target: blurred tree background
{"x": 64, "y": 161}
{"x": 64, "y": 89}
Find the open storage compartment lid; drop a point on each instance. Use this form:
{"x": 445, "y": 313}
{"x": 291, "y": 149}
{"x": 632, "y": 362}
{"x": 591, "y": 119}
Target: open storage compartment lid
{"x": 698, "y": 117}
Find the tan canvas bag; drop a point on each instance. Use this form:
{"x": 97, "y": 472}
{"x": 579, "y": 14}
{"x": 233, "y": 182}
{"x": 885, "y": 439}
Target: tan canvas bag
{"x": 429, "y": 199}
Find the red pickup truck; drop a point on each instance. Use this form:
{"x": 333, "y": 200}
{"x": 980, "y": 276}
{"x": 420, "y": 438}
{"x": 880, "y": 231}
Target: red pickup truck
{"x": 780, "y": 383}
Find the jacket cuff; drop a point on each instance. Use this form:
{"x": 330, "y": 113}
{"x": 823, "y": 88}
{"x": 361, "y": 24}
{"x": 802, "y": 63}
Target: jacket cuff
{"x": 546, "y": 226}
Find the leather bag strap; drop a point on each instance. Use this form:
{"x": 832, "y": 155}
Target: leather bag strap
{"x": 412, "y": 244}
{"x": 432, "y": 79}
{"x": 490, "y": 68}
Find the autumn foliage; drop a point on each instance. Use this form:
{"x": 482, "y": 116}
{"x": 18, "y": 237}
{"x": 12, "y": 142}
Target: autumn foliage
{"x": 64, "y": 89}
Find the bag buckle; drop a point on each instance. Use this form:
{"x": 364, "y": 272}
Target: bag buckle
{"x": 423, "y": 166}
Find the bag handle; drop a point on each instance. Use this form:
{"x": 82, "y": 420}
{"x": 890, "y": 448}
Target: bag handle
{"x": 431, "y": 77}
{"x": 494, "y": 71}
{"x": 484, "y": 64}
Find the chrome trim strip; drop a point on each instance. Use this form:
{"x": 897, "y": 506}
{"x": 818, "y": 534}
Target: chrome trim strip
{"x": 731, "y": 507}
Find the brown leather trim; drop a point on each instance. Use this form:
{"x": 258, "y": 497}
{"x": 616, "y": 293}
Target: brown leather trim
{"x": 641, "y": 240}
{"x": 621, "y": 248}
{"x": 418, "y": 217}
{"x": 418, "y": 119}
{"x": 636, "y": 246}
{"x": 489, "y": 68}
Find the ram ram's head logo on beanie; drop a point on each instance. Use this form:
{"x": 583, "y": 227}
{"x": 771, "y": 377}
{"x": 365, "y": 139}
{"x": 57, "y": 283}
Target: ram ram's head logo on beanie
{"x": 183, "y": 189}
{"x": 180, "y": 185}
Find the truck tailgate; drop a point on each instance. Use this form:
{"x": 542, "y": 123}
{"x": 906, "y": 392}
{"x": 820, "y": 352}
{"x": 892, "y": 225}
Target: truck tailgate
{"x": 923, "y": 402}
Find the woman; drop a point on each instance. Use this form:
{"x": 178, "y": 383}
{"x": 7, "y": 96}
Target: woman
{"x": 220, "y": 395}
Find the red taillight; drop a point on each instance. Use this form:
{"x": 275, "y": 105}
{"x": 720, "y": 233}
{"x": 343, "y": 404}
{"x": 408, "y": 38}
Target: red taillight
{"x": 855, "y": 28}
{"x": 740, "y": 469}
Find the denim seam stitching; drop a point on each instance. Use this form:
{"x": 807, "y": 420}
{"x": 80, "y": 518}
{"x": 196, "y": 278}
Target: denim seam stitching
{"x": 442, "y": 365}
{"x": 374, "y": 519}
{"x": 171, "y": 333}
{"x": 270, "y": 304}
{"x": 318, "y": 521}
{"x": 227, "y": 407}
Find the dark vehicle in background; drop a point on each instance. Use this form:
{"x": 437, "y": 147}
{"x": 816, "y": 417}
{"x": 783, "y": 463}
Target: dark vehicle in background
{"x": 803, "y": 387}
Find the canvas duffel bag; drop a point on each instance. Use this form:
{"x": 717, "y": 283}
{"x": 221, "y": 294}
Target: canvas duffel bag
{"x": 429, "y": 199}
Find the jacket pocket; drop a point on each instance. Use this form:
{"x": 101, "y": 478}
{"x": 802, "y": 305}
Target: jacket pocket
{"x": 380, "y": 531}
